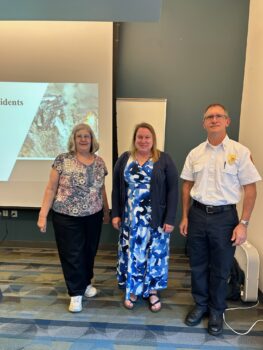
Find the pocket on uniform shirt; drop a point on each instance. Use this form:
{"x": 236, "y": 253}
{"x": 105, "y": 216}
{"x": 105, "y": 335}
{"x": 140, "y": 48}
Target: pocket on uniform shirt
{"x": 198, "y": 167}
{"x": 230, "y": 169}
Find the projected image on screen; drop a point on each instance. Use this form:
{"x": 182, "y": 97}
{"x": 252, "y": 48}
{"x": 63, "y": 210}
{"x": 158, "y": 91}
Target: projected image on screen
{"x": 61, "y": 108}
{"x": 43, "y": 115}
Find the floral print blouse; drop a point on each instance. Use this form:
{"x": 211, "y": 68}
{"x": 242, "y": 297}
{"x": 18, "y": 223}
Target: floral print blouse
{"x": 80, "y": 186}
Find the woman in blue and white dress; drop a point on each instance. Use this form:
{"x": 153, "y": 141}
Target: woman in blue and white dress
{"x": 144, "y": 203}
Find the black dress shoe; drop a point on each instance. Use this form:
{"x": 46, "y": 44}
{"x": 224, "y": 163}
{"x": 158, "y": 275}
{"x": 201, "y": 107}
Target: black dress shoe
{"x": 195, "y": 316}
{"x": 215, "y": 324}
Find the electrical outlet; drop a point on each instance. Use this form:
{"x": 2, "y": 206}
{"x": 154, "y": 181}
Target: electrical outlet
{"x": 13, "y": 214}
{"x": 5, "y": 213}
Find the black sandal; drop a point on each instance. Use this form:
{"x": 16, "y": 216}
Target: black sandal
{"x": 151, "y": 304}
{"x": 133, "y": 302}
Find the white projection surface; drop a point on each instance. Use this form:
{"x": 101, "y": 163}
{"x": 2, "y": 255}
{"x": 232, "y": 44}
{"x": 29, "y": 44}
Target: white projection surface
{"x": 61, "y": 87}
{"x": 132, "y": 111}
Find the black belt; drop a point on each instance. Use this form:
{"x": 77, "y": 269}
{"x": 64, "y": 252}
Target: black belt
{"x": 213, "y": 209}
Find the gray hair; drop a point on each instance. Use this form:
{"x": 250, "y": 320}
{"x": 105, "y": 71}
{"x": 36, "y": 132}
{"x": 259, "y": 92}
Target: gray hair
{"x": 71, "y": 142}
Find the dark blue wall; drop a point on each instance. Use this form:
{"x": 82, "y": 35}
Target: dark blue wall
{"x": 81, "y": 10}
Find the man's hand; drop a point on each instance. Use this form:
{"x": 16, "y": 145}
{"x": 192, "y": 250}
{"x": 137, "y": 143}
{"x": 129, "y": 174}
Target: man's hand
{"x": 183, "y": 227}
{"x": 239, "y": 235}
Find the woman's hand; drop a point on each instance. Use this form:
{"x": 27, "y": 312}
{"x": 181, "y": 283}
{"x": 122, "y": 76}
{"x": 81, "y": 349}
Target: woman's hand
{"x": 116, "y": 222}
{"x": 168, "y": 228}
{"x": 42, "y": 223}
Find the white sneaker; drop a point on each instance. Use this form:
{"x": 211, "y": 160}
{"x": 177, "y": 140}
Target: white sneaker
{"x": 75, "y": 304}
{"x": 90, "y": 291}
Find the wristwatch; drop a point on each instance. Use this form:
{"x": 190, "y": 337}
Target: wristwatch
{"x": 244, "y": 222}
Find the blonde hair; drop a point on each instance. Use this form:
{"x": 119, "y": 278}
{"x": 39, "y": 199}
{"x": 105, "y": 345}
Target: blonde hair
{"x": 71, "y": 142}
{"x": 155, "y": 151}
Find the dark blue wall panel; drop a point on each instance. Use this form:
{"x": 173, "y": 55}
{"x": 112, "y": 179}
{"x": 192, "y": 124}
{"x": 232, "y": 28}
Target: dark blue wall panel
{"x": 81, "y": 10}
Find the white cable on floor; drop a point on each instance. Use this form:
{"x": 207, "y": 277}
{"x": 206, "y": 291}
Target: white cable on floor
{"x": 241, "y": 308}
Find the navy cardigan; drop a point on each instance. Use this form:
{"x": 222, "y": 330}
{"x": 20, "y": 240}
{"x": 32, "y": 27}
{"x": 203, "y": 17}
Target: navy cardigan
{"x": 163, "y": 190}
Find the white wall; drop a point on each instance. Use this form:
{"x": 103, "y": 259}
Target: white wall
{"x": 251, "y": 122}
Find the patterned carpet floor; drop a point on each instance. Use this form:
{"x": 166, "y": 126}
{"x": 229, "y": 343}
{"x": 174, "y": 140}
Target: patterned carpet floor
{"x": 34, "y": 315}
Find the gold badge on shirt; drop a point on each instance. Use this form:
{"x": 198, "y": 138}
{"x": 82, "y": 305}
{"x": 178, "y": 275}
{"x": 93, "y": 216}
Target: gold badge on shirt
{"x": 231, "y": 159}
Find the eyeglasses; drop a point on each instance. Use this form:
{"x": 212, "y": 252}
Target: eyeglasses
{"x": 214, "y": 116}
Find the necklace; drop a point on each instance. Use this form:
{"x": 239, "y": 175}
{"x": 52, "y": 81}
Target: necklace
{"x": 87, "y": 160}
{"x": 141, "y": 159}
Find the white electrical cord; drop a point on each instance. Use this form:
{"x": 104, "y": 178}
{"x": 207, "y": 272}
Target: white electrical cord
{"x": 241, "y": 308}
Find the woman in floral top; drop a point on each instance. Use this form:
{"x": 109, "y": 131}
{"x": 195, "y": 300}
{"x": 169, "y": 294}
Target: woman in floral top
{"x": 76, "y": 193}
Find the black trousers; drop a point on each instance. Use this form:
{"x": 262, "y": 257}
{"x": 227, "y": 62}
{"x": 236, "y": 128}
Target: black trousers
{"x": 77, "y": 242}
{"x": 211, "y": 256}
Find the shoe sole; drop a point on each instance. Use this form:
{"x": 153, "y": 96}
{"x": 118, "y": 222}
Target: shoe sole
{"x": 91, "y": 295}
{"x": 74, "y": 311}
{"x": 192, "y": 324}
{"x": 215, "y": 333}
{"x": 154, "y": 311}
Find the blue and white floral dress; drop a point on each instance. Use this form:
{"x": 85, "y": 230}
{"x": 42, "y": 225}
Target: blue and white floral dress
{"x": 143, "y": 252}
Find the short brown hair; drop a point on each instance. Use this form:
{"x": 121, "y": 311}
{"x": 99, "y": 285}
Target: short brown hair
{"x": 216, "y": 105}
{"x": 71, "y": 142}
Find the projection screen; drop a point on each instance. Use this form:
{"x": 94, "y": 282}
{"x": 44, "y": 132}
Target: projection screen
{"x": 53, "y": 75}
